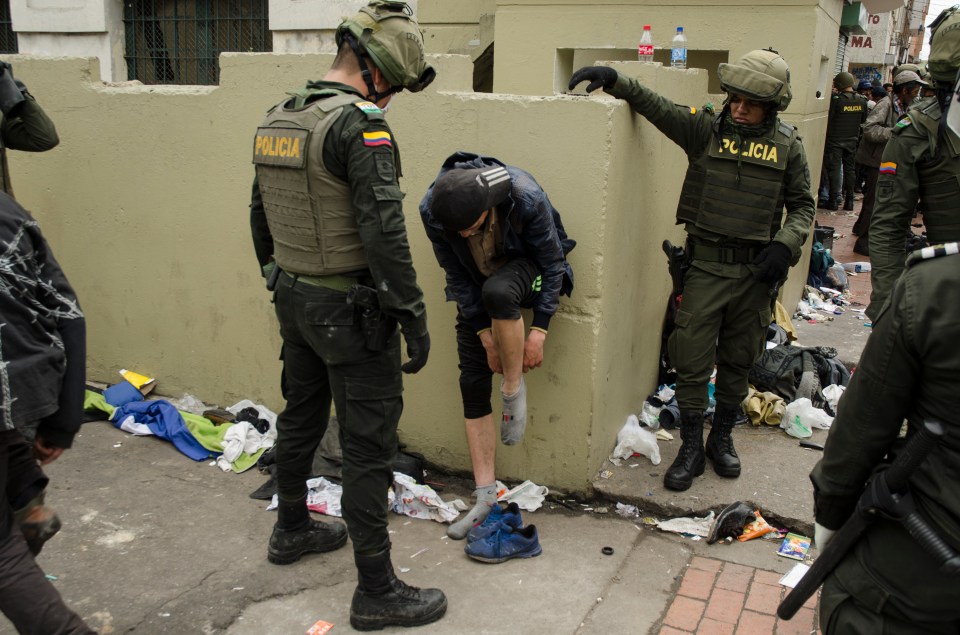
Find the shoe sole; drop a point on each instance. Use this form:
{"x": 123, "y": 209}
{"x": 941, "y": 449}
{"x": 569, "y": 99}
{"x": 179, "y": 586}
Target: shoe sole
{"x": 376, "y": 624}
{"x": 679, "y": 485}
{"x": 292, "y": 556}
{"x": 532, "y": 554}
{"x": 732, "y": 472}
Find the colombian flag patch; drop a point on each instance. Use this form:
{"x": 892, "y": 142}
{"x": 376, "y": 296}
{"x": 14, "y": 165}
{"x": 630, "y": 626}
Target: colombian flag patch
{"x": 888, "y": 167}
{"x": 374, "y": 139}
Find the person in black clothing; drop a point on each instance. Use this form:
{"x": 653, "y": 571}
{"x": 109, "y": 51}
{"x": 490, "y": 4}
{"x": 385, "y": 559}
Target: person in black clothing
{"x": 42, "y": 371}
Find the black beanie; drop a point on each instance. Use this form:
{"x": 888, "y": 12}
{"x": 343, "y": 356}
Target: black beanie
{"x": 461, "y": 196}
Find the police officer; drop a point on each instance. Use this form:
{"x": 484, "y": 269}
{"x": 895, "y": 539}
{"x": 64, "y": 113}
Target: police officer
{"x": 910, "y": 369}
{"x": 745, "y": 166}
{"x": 328, "y": 228}
{"x": 24, "y": 127}
{"x": 847, "y": 111}
{"x": 877, "y": 131}
{"x": 921, "y": 161}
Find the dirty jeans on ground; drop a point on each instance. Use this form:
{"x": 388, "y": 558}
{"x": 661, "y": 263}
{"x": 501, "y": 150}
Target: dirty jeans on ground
{"x": 325, "y": 357}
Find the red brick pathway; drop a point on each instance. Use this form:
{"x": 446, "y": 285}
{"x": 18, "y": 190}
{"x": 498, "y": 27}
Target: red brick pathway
{"x": 726, "y": 598}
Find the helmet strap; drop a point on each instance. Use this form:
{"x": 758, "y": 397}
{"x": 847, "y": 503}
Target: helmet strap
{"x": 373, "y": 95}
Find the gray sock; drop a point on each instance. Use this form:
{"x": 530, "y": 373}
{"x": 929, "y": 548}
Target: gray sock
{"x": 486, "y": 496}
{"x": 514, "y": 415}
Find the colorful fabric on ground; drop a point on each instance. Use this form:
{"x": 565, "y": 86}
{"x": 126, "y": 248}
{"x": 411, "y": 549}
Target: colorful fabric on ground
{"x": 888, "y": 167}
{"x": 166, "y": 422}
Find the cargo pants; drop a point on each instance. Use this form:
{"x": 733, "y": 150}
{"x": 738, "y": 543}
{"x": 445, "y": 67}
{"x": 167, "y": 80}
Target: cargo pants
{"x": 721, "y": 320}
{"x": 325, "y": 357}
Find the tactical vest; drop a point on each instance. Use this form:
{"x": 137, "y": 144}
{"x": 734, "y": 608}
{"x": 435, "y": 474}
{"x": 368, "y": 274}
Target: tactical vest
{"x": 848, "y": 112}
{"x": 736, "y": 188}
{"x": 308, "y": 209}
{"x": 939, "y": 177}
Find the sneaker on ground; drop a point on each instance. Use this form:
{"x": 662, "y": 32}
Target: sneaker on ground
{"x": 506, "y": 544}
{"x": 497, "y": 517}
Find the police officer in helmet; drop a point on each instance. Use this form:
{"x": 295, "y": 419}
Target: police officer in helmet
{"x": 329, "y": 234}
{"x": 909, "y": 370}
{"x": 920, "y": 161}
{"x": 745, "y": 167}
{"x": 847, "y": 111}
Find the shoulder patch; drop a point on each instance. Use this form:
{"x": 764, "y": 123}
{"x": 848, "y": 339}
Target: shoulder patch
{"x": 377, "y": 138}
{"x": 934, "y": 251}
{"x": 368, "y": 106}
{"x": 903, "y": 123}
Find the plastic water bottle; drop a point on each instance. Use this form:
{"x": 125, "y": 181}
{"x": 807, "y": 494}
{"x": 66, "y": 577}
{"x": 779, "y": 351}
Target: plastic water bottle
{"x": 678, "y": 49}
{"x": 645, "y": 48}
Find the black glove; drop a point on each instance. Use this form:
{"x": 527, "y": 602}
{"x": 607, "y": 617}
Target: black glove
{"x": 418, "y": 348}
{"x": 773, "y": 263}
{"x": 598, "y": 76}
{"x": 10, "y": 94}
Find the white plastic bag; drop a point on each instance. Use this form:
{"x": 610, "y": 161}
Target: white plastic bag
{"x": 650, "y": 415}
{"x": 632, "y": 438}
{"x": 802, "y": 417}
{"x": 833, "y": 392}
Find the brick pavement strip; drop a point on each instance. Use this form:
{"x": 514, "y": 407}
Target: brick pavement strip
{"x": 739, "y": 599}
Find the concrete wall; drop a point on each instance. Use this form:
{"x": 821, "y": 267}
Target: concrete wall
{"x": 145, "y": 203}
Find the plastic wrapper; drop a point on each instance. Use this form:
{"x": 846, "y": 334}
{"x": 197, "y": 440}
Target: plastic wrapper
{"x": 755, "y": 529}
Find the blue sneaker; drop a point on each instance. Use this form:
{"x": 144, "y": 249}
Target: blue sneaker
{"x": 505, "y": 544}
{"x": 491, "y": 524}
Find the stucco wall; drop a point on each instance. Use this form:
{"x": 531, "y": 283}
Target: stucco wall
{"x": 146, "y": 205}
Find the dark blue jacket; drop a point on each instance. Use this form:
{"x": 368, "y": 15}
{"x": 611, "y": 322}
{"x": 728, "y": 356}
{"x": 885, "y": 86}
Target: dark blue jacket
{"x": 533, "y": 230}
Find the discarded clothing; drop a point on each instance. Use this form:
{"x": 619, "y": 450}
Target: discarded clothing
{"x": 691, "y": 526}
{"x": 165, "y": 422}
{"x": 764, "y": 407}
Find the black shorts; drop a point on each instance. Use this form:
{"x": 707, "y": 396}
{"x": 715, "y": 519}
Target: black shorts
{"x": 512, "y": 287}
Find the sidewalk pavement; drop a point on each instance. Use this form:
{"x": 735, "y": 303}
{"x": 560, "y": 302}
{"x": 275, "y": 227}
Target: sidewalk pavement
{"x": 153, "y": 542}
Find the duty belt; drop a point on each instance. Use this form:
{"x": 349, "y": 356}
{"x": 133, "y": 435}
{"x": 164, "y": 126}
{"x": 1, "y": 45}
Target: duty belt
{"x": 334, "y": 282}
{"x": 743, "y": 254}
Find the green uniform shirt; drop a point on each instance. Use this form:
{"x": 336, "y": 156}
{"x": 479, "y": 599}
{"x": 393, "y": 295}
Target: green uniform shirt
{"x": 692, "y": 129}
{"x": 910, "y": 369}
{"x": 380, "y": 222}
{"x": 911, "y": 162}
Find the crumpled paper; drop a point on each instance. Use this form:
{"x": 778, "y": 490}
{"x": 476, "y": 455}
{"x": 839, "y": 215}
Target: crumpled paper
{"x": 687, "y": 525}
{"x": 323, "y": 497}
{"x": 409, "y": 498}
{"x": 527, "y": 495}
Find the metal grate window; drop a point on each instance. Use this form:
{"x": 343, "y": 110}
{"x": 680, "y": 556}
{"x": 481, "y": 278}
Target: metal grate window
{"x": 180, "y": 41}
{"x": 8, "y": 39}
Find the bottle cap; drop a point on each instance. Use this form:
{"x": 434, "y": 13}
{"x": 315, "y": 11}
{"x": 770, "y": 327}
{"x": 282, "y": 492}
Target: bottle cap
{"x": 646, "y": 27}
{"x": 679, "y": 29}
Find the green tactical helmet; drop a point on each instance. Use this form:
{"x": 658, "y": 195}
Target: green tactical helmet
{"x": 907, "y": 67}
{"x": 761, "y": 75}
{"x": 844, "y": 80}
{"x": 388, "y": 33}
{"x": 945, "y": 46}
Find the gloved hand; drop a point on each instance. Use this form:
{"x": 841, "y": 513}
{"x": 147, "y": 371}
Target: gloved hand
{"x": 773, "y": 263}
{"x": 10, "y": 94}
{"x": 418, "y": 348}
{"x": 598, "y": 76}
{"x": 822, "y": 535}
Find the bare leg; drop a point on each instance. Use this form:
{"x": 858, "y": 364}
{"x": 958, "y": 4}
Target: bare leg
{"x": 508, "y": 336}
{"x": 482, "y": 441}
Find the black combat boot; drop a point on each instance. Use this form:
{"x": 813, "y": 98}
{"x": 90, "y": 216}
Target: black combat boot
{"x": 381, "y": 599}
{"x": 720, "y": 448}
{"x": 690, "y": 460}
{"x": 834, "y": 204}
{"x": 848, "y": 204}
{"x": 296, "y": 534}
